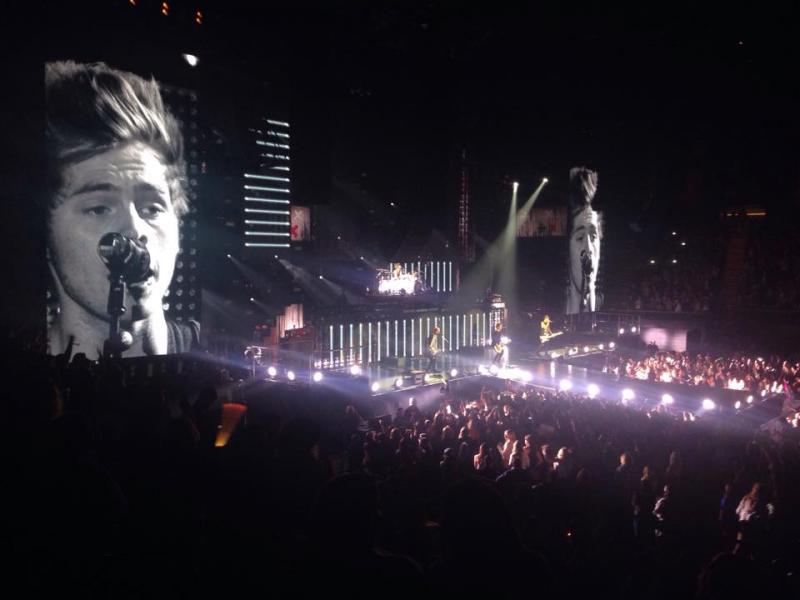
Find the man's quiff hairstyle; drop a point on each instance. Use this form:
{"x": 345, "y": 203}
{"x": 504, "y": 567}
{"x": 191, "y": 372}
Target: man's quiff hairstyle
{"x": 92, "y": 108}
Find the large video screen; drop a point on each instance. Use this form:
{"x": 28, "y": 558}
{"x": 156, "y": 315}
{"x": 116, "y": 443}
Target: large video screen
{"x": 118, "y": 201}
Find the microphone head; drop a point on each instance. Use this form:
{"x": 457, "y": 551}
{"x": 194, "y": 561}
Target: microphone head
{"x": 125, "y": 256}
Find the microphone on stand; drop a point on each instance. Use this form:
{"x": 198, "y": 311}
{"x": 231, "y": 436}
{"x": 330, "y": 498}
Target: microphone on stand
{"x": 125, "y": 257}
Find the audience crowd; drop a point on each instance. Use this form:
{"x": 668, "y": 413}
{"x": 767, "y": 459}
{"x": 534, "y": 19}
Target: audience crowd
{"x": 756, "y": 374}
{"x": 772, "y": 272}
{"x": 117, "y": 485}
{"x": 673, "y": 277}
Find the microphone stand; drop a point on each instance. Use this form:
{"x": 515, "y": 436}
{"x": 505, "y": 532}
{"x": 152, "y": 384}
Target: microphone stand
{"x": 113, "y": 346}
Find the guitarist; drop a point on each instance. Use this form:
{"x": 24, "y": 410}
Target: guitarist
{"x": 433, "y": 349}
{"x": 497, "y": 344}
{"x": 545, "y": 327}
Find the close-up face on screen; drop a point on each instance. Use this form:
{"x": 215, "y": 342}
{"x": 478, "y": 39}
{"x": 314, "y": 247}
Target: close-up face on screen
{"x": 115, "y": 160}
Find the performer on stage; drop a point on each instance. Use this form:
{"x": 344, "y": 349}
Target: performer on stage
{"x": 433, "y": 350}
{"x": 545, "y": 326}
{"x": 397, "y": 271}
{"x": 499, "y": 344}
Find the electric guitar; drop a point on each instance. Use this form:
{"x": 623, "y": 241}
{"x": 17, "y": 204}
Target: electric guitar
{"x": 504, "y": 341}
{"x": 546, "y": 338}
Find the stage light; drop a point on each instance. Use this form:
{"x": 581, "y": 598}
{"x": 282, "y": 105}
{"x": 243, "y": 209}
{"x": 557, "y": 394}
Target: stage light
{"x": 545, "y": 180}
{"x": 749, "y": 399}
{"x": 361, "y": 257}
{"x": 526, "y": 376}
{"x": 622, "y": 331}
{"x": 763, "y": 393}
{"x": 320, "y": 276}
{"x": 737, "y": 405}
{"x": 493, "y": 370}
{"x": 602, "y": 346}
{"x": 228, "y": 255}
{"x": 627, "y": 394}
{"x": 553, "y": 354}
{"x": 683, "y": 243}
{"x": 375, "y": 387}
{"x": 191, "y": 59}
{"x": 317, "y": 377}
{"x": 592, "y": 390}
{"x": 355, "y": 370}
{"x": 674, "y": 233}
{"x": 565, "y": 385}
{"x": 276, "y": 256}
{"x": 290, "y": 375}
{"x": 633, "y": 329}
{"x": 586, "y": 348}
{"x": 612, "y": 345}
{"x": 272, "y": 371}
{"x": 252, "y": 299}
{"x": 674, "y": 261}
{"x": 652, "y": 262}
{"x": 398, "y": 382}
{"x": 453, "y": 372}
{"x": 666, "y": 399}
{"x": 709, "y": 404}
{"x": 516, "y": 185}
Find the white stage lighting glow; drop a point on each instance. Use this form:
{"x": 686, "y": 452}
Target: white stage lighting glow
{"x": 633, "y": 329}
{"x": 493, "y": 370}
{"x": 290, "y": 375}
{"x": 191, "y": 59}
{"x": 252, "y": 299}
{"x": 627, "y": 394}
{"x": 355, "y": 370}
{"x": 602, "y": 346}
{"x": 375, "y": 387}
{"x": 708, "y": 404}
{"x": 737, "y": 405}
{"x": 453, "y": 372}
{"x": 317, "y": 376}
{"x": 612, "y": 345}
{"x": 398, "y": 382}
{"x": 272, "y": 371}
{"x": 516, "y": 185}
{"x": 621, "y": 330}
{"x": 565, "y": 385}
{"x": 526, "y": 376}
{"x": 545, "y": 180}
{"x": 667, "y": 399}
{"x": 229, "y": 255}
{"x": 592, "y": 390}
{"x": 586, "y": 348}
{"x": 749, "y": 399}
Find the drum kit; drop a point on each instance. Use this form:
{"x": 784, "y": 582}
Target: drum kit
{"x": 398, "y": 284}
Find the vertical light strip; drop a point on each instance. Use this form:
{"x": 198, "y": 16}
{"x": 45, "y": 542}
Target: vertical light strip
{"x": 421, "y": 347}
{"x": 470, "y": 329}
{"x": 458, "y": 328}
{"x": 378, "y": 327}
{"x": 351, "y": 344}
{"x": 361, "y": 343}
{"x": 330, "y": 346}
{"x": 412, "y": 338}
{"x": 450, "y": 275}
{"x": 396, "y": 331}
{"x": 341, "y": 344}
{"x": 450, "y": 328}
{"x": 404, "y": 338}
{"x": 388, "y": 340}
{"x": 428, "y": 327}
{"x": 369, "y": 342}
